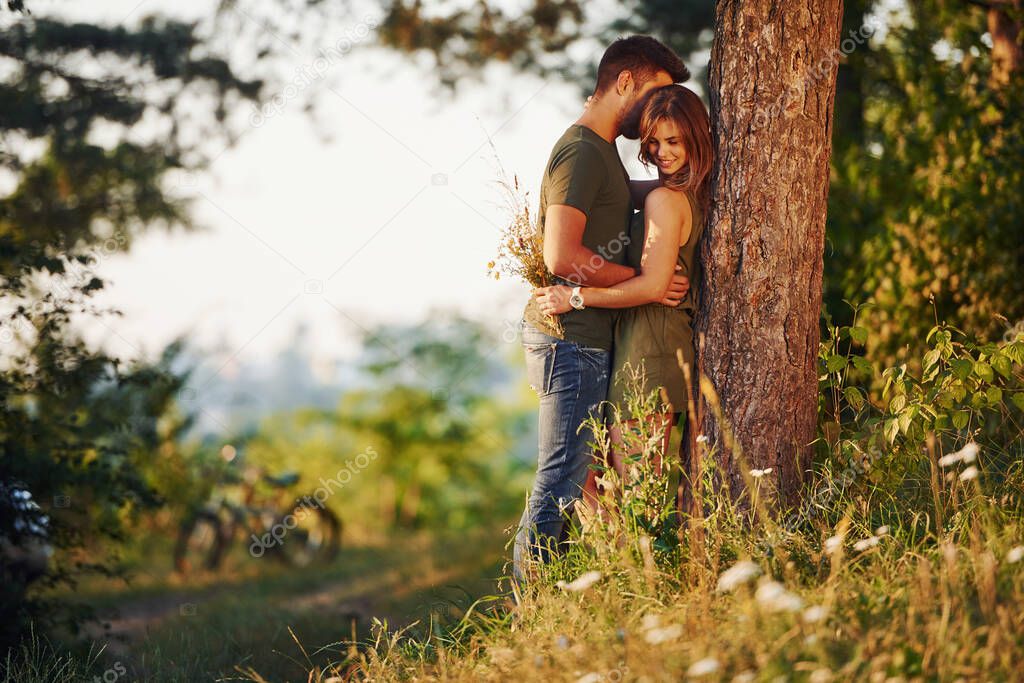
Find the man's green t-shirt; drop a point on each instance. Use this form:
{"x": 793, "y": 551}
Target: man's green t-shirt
{"x": 584, "y": 171}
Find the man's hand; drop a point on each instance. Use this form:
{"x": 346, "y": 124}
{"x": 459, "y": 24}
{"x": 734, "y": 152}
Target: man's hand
{"x": 677, "y": 289}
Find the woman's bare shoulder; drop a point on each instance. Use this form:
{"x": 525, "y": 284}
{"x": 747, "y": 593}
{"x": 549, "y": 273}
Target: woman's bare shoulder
{"x": 664, "y": 200}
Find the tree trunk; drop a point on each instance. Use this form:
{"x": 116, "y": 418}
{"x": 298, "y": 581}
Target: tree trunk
{"x": 772, "y": 87}
{"x": 1004, "y": 28}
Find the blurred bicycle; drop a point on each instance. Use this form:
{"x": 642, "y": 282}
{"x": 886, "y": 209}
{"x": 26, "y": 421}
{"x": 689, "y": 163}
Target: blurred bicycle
{"x": 296, "y": 530}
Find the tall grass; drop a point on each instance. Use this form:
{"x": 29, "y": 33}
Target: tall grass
{"x": 905, "y": 560}
{"x": 907, "y": 566}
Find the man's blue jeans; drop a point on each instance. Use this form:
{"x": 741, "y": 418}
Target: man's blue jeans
{"x": 571, "y": 381}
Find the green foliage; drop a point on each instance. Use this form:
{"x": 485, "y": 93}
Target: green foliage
{"x": 644, "y": 500}
{"x": 863, "y": 583}
{"x": 82, "y": 431}
{"x": 445, "y": 445}
{"x": 79, "y": 432}
{"x": 892, "y": 439}
{"x": 924, "y": 202}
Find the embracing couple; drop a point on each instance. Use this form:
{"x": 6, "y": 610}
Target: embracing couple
{"x": 626, "y": 299}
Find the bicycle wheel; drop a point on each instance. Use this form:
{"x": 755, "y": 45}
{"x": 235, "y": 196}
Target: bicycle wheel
{"x": 200, "y": 543}
{"x": 312, "y": 535}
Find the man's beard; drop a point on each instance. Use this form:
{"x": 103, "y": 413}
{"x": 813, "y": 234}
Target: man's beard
{"x": 628, "y": 119}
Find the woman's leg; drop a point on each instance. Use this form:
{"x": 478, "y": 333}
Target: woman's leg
{"x": 657, "y": 423}
{"x": 593, "y": 492}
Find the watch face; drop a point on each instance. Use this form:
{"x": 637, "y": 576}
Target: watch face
{"x": 576, "y": 301}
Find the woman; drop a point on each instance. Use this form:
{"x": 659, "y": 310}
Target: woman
{"x": 675, "y": 135}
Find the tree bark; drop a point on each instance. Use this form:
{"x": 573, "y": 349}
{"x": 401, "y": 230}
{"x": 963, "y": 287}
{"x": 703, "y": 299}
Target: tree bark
{"x": 1005, "y": 28}
{"x": 772, "y": 88}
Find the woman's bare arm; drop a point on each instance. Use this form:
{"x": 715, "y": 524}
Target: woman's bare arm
{"x": 668, "y": 221}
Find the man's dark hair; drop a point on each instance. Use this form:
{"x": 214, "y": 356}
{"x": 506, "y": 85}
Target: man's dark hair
{"x": 642, "y": 56}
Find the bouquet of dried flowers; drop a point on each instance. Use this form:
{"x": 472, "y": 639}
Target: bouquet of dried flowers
{"x": 520, "y": 249}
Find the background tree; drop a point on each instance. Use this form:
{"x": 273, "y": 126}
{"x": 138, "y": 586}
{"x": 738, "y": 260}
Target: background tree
{"x": 92, "y": 121}
{"x": 924, "y": 220}
{"x": 443, "y": 441}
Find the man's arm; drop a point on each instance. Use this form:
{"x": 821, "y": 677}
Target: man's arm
{"x": 566, "y": 257}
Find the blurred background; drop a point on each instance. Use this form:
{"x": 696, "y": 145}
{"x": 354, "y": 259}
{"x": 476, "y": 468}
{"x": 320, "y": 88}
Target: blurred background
{"x": 244, "y": 252}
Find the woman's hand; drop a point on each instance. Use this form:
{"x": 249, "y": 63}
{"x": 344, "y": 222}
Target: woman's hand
{"x": 553, "y": 300}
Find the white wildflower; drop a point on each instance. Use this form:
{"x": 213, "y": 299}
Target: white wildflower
{"x": 736, "y": 575}
{"x": 820, "y": 676}
{"x": 582, "y": 583}
{"x": 1015, "y": 554}
{"x": 702, "y": 438}
{"x": 592, "y": 677}
{"x": 703, "y": 667}
{"x": 882, "y": 530}
{"x": 864, "y": 544}
{"x": 968, "y": 453}
{"x": 774, "y": 597}
{"x": 969, "y": 473}
{"x": 814, "y": 614}
{"x": 745, "y": 677}
{"x": 757, "y": 474}
{"x": 833, "y": 543}
{"x": 501, "y": 656}
{"x": 657, "y": 636}
{"x": 650, "y": 621}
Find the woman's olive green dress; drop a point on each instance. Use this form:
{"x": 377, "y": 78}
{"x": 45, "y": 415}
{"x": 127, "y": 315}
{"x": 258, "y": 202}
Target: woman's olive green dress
{"x": 651, "y": 334}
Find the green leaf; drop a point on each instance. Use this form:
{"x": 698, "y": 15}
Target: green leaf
{"x": 1002, "y": 364}
{"x": 862, "y": 364}
{"x": 1018, "y": 399}
{"x": 984, "y": 371}
{"x": 892, "y": 430}
{"x": 960, "y": 418}
{"x": 859, "y": 335}
{"x": 931, "y": 358}
{"x": 962, "y": 368}
{"x": 854, "y": 397}
{"x": 835, "y": 363}
{"x": 1015, "y": 352}
{"x": 994, "y": 395}
{"x": 898, "y": 403}
{"x": 905, "y": 419}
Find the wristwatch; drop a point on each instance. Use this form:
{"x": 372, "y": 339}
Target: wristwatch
{"x": 576, "y": 299}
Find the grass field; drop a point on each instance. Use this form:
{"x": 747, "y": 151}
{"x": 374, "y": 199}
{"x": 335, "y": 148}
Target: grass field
{"x": 264, "y": 618}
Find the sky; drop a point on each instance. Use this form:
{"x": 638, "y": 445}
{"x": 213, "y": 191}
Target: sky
{"x": 382, "y": 208}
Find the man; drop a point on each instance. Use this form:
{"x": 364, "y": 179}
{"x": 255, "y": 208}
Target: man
{"x": 585, "y": 208}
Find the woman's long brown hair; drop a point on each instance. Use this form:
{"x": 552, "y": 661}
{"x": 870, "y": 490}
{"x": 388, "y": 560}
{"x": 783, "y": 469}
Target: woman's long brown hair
{"x": 680, "y": 104}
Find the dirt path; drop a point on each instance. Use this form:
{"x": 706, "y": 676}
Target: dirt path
{"x": 400, "y": 587}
